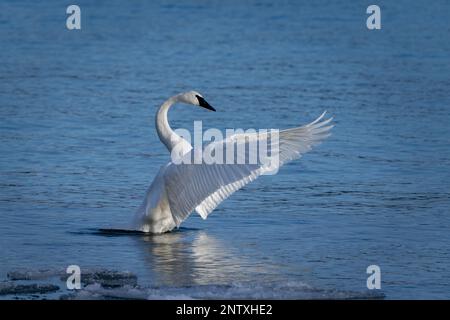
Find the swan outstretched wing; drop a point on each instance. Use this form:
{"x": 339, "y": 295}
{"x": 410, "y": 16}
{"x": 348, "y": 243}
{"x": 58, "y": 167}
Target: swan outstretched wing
{"x": 202, "y": 187}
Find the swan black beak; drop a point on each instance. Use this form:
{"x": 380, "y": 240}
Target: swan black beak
{"x": 202, "y": 102}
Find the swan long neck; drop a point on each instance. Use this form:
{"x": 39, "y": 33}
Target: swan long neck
{"x": 167, "y": 136}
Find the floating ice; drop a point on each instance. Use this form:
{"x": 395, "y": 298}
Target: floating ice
{"x": 235, "y": 291}
{"x": 24, "y": 282}
{"x": 35, "y": 274}
{"x": 110, "y": 284}
{"x": 107, "y": 278}
{"x": 12, "y": 288}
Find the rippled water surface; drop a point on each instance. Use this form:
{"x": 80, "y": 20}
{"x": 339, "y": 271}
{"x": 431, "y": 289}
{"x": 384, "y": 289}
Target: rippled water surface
{"x": 78, "y": 145}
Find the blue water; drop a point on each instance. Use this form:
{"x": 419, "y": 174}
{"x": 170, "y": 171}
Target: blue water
{"x": 78, "y": 145}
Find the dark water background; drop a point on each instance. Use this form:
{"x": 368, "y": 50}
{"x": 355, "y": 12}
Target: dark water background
{"x": 78, "y": 145}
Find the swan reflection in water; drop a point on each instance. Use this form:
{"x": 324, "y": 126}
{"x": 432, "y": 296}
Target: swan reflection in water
{"x": 187, "y": 257}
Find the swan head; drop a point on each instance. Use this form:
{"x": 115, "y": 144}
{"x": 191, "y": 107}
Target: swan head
{"x": 196, "y": 99}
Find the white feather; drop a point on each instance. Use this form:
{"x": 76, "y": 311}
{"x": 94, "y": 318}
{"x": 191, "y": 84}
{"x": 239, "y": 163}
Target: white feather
{"x": 180, "y": 189}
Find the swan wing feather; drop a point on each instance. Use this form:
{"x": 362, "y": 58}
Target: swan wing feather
{"x": 202, "y": 187}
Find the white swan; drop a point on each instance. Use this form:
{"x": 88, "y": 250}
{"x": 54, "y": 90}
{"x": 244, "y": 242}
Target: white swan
{"x": 179, "y": 189}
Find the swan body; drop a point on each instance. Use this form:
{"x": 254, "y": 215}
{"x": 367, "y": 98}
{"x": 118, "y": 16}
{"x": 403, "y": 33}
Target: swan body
{"x": 180, "y": 188}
